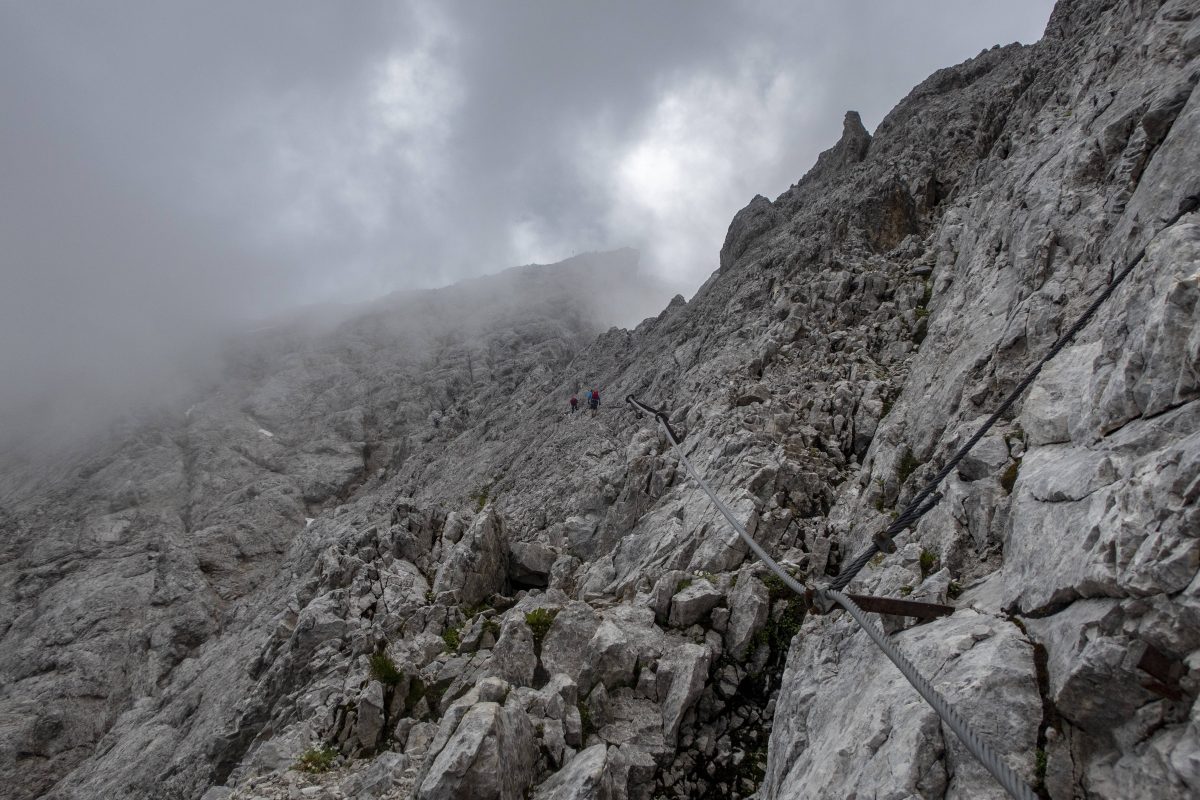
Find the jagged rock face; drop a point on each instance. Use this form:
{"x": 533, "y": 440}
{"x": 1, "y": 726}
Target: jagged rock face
{"x": 519, "y": 579}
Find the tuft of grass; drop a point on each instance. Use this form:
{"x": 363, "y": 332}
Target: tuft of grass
{"x": 492, "y": 627}
{"x": 776, "y": 588}
{"x": 777, "y": 633}
{"x": 316, "y": 760}
{"x": 384, "y": 670}
{"x": 1009, "y": 478}
{"x": 954, "y": 590}
{"x": 1040, "y": 762}
{"x": 926, "y": 295}
{"x": 929, "y": 562}
{"x": 585, "y": 719}
{"x": 539, "y": 621}
{"x": 482, "y": 496}
{"x": 905, "y": 591}
{"x": 906, "y": 466}
{"x": 683, "y": 584}
{"x": 452, "y": 636}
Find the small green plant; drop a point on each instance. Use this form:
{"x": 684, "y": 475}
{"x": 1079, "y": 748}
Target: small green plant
{"x": 482, "y": 496}
{"x": 905, "y": 591}
{"x": 384, "y": 670}
{"x": 778, "y": 632}
{"x": 452, "y": 636}
{"x": 1040, "y": 762}
{"x": 954, "y": 590}
{"x": 683, "y": 584}
{"x": 539, "y": 621}
{"x": 492, "y": 627}
{"x": 585, "y": 719}
{"x": 906, "y": 466}
{"x": 708, "y": 576}
{"x": 776, "y": 588}
{"x": 1009, "y": 478}
{"x": 316, "y": 760}
{"x": 929, "y": 562}
{"x": 876, "y": 560}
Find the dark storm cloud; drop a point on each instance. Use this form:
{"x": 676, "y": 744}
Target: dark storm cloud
{"x": 168, "y": 171}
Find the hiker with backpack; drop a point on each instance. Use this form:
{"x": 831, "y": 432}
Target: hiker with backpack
{"x": 574, "y": 404}
{"x": 594, "y": 401}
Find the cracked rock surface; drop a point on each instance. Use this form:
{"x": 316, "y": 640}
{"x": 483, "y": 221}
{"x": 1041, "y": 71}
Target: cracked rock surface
{"x": 304, "y": 587}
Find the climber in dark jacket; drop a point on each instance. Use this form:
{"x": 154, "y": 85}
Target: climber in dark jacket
{"x": 574, "y": 404}
{"x": 594, "y": 401}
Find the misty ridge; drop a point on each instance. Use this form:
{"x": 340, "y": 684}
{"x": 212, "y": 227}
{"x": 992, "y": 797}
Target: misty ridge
{"x": 52, "y": 407}
{"x": 156, "y": 199}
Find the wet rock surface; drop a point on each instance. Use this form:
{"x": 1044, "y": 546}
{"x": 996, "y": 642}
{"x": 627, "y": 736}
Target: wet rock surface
{"x": 304, "y": 572}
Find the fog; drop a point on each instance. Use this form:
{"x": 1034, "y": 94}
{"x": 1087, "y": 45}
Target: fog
{"x": 171, "y": 173}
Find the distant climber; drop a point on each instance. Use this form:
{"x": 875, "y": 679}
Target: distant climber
{"x": 435, "y": 417}
{"x": 594, "y": 401}
{"x": 574, "y": 404}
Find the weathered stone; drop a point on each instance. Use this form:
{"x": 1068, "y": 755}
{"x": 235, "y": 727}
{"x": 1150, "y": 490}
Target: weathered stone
{"x": 585, "y": 777}
{"x": 370, "y": 716}
{"x": 749, "y": 605}
{"x": 489, "y": 756}
{"x": 385, "y": 771}
{"x": 565, "y": 648}
{"x": 477, "y": 566}
{"x": 681, "y": 674}
{"x": 692, "y": 603}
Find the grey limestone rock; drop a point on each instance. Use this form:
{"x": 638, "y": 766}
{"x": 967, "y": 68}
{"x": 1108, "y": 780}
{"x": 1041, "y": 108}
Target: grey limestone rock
{"x": 489, "y": 756}
{"x": 191, "y": 601}
{"x": 692, "y": 603}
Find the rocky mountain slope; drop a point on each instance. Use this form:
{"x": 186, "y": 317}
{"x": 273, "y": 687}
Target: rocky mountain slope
{"x": 523, "y": 602}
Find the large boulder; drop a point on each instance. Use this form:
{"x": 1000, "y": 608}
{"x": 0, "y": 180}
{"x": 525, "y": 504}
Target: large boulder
{"x": 476, "y": 567}
{"x": 681, "y": 676}
{"x": 850, "y": 724}
{"x": 692, "y": 603}
{"x": 490, "y": 756}
{"x": 587, "y": 776}
{"x": 749, "y": 606}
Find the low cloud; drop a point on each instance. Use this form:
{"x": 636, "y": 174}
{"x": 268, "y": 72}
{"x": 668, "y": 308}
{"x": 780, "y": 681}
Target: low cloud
{"x": 171, "y": 173}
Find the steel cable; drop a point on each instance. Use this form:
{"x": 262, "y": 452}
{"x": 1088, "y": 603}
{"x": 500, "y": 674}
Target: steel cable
{"x": 982, "y": 751}
{"x": 926, "y": 498}
{"x": 990, "y": 760}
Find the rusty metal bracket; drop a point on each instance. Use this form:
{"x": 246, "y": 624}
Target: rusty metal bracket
{"x": 901, "y": 608}
{"x": 886, "y": 605}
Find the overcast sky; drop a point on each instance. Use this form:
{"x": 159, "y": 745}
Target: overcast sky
{"x": 169, "y": 168}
